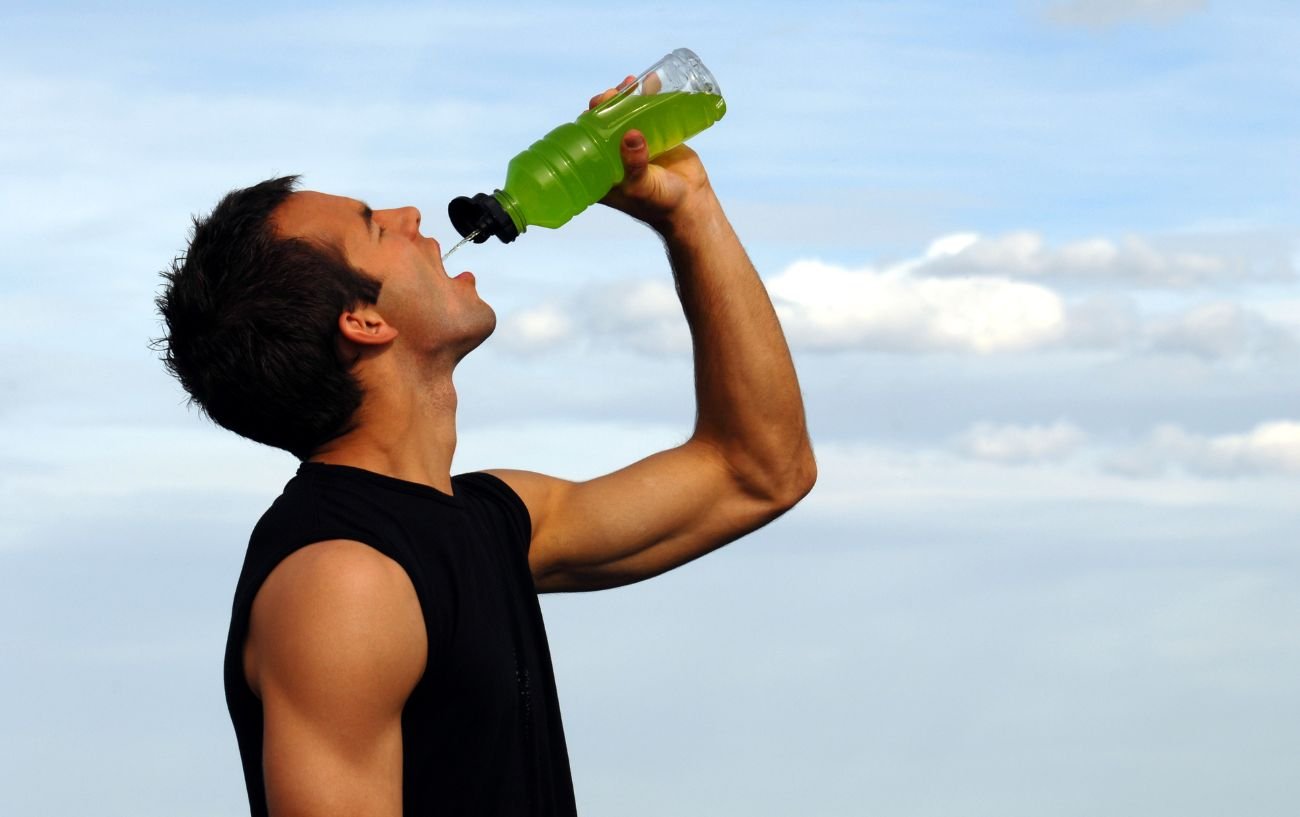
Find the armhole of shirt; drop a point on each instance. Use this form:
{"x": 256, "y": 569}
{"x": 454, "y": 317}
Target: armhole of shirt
{"x": 521, "y": 523}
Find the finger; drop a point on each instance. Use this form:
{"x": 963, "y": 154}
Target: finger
{"x": 600, "y": 98}
{"x": 636, "y": 157}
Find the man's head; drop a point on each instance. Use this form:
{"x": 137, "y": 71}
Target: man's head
{"x": 279, "y": 295}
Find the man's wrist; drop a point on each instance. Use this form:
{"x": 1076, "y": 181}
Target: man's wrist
{"x": 693, "y": 220}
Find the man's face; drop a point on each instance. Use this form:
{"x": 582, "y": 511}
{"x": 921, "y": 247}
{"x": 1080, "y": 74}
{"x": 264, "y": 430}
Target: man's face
{"x": 433, "y": 313}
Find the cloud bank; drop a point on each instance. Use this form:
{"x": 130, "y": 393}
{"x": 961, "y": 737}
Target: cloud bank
{"x": 1015, "y": 444}
{"x": 1131, "y": 260}
{"x": 963, "y": 295}
{"x": 826, "y": 307}
{"x": 1269, "y": 448}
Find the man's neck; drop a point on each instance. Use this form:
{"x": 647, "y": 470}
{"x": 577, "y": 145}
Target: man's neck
{"x": 406, "y": 433}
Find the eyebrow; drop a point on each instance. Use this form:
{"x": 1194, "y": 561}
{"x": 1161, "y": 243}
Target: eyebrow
{"x": 367, "y": 215}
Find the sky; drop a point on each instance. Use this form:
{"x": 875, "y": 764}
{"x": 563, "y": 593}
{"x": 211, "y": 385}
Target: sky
{"x": 1037, "y": 263}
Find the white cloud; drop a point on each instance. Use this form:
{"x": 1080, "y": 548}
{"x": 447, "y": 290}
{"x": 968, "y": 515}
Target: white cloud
{"x": 1269, "y": 448}
{"x": 1219, "y": 330}
{"x": 644, "y": 316}
{"x": 824, "y": 307}
{"x": 1099, "y": 13}
{"x": 1017, "y": 444}
{"x": 1130, "y": 260}
{"x": 828, "y": 307}
{"x": 1282, "y": 308}
{"x": 1105, "y": 322}
{"x": 922, "y": 480}
{"x": 535, "y": 330}
{"x": 904, "y": 308}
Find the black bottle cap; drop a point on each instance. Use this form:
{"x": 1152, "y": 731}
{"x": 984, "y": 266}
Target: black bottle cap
{"x": 483, "y": 213}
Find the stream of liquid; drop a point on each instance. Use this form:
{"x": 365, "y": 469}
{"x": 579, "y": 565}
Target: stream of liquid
{"x": 463, "y": 242}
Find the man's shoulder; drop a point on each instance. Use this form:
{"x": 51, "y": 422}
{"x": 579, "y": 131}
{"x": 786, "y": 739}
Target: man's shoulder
{"x": 335, "y": 572}
{"x": 335, "y": 603}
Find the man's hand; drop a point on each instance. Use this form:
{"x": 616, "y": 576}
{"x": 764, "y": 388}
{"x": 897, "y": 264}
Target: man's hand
{"x": 661, "y": 192}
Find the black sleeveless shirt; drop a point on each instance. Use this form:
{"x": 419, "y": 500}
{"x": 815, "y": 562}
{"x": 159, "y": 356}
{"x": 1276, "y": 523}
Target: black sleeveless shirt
{"x": 481, "y": 731}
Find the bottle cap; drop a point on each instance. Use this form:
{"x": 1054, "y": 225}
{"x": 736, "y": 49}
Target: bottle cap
{"x": 483, "y": 213}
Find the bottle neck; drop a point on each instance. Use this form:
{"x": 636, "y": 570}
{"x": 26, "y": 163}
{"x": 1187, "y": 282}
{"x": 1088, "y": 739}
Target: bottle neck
{"x": 511, "y": 206}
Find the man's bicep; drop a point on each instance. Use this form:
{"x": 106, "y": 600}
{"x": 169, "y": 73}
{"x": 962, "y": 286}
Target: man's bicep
{"x": 634, "y": 523}
{"x": 336, "y": 645}
{"x": 311, "y": 769}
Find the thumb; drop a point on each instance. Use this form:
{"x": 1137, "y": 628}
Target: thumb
{"x": 636, "y": 157}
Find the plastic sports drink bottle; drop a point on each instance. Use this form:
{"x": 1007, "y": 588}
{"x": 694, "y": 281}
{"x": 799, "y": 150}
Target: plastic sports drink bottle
{"x": 575, "y": 165}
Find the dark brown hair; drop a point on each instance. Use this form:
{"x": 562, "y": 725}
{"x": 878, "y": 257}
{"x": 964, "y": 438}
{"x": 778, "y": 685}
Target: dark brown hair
{"x": 252, "y": 324}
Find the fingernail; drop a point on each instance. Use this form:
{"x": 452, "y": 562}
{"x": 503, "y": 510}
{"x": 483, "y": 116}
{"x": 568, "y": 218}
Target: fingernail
{"x": 634, "y": 142}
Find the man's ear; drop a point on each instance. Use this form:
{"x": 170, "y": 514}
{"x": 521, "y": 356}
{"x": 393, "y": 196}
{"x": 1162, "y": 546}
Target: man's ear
{"x": 365, "y": 327}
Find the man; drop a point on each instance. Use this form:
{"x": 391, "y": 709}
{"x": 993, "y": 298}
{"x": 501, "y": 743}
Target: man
{"x": 386, "y": 652}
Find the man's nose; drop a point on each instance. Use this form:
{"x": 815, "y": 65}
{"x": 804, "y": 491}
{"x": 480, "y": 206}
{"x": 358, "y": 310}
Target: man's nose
{"x": 403, "y": 219}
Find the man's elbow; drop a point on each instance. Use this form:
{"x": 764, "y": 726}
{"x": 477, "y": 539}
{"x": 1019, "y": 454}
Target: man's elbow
{"x": 798, "y": 480}
{"x": 774, "y": 478}
{"x": 788, "y": 481}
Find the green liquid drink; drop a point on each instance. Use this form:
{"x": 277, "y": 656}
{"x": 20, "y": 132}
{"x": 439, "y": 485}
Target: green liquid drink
{"x": 575, "y": 165}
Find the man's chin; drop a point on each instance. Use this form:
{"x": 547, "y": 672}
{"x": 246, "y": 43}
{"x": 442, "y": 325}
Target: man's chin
{"x": 474, "y": 341}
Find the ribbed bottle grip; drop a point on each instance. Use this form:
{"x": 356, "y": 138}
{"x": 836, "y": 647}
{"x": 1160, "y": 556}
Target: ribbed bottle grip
{"x": 566, "y": 171}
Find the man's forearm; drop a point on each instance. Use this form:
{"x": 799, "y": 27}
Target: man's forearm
{"x": 747, "y": 393}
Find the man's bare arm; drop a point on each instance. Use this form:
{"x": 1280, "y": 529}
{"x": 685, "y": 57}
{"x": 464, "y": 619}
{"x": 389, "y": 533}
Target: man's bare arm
{"x": 336, "y": 644}
{"x": 749, "y": 458}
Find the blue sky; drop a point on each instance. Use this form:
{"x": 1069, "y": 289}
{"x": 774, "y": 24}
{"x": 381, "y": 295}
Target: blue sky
{"x": 1037, "y": 262}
